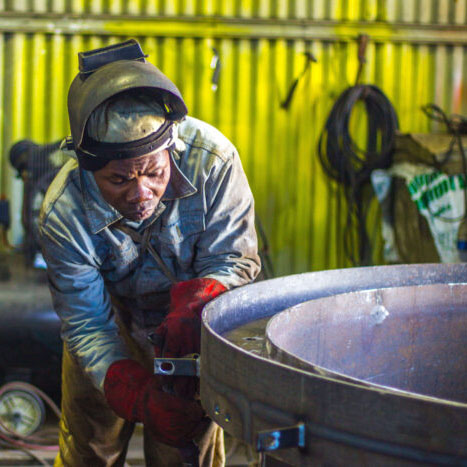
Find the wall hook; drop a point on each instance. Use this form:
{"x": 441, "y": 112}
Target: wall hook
{"x": 216, "y": 66}
{"x": 362, "y": 40}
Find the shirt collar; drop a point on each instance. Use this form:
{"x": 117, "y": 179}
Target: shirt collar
{"x": 101, "y": 214}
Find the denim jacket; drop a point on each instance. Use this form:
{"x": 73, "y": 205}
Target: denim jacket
{"x": 203, "y": 227}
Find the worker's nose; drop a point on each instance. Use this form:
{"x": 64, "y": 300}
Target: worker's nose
{"x": 139, "y": 193}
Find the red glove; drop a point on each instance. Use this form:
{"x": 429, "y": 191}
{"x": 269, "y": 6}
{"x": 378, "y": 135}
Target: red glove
{"x": 180, "y": 332}
{"x": 134, "y": 394}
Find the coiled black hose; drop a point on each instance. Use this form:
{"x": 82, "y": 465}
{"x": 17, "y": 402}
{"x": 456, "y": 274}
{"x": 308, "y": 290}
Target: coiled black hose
{"x": 344, "y": 161}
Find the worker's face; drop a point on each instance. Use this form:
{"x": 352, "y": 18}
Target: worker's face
{"x": 135, "y": 186}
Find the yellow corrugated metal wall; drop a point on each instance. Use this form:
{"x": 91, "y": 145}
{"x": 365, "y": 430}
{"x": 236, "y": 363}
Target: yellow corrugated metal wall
{"x": 417, "y": 54}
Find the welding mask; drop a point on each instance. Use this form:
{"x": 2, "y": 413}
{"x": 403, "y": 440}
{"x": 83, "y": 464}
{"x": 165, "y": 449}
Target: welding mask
{"x": 104, "y": 73}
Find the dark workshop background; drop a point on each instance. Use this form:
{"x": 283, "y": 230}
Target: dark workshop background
{"x": 235, "y": 62}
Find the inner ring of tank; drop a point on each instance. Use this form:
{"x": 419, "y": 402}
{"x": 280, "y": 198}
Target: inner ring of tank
{"x": 410, "y": 338}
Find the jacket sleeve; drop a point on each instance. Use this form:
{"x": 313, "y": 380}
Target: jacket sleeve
{"x": 80, "y": 299}
{"x": 228, "y": 248}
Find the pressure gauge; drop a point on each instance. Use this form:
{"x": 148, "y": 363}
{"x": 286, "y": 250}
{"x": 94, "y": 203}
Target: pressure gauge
{"x": 21, "y": 411}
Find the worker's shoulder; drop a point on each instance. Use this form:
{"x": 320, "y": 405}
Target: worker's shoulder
{"x": 63, "y": 193}
{"x": 197, "y": 134}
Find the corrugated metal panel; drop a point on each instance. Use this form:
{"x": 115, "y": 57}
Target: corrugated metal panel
{"x": 412, "y": 11}
{"x": 417, "y": 54}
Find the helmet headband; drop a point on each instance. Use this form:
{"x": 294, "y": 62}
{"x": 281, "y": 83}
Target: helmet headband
{"x": 94, "y": 155}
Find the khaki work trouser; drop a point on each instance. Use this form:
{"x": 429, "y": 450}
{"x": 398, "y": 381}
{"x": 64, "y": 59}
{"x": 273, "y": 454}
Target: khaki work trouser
{"x": 92, "y": 435}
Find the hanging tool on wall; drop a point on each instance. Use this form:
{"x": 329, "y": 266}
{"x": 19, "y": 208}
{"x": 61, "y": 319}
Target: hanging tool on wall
{"x": 285, "y": 104}
{"x": 216, "y": 67}
{"x": 351, "y": 166}
{"x": 362, "y": 40}
{"x": 267, "y": 267}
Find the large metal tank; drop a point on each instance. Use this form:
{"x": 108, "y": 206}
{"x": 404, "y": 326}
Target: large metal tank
{"x": 376, "y": 375}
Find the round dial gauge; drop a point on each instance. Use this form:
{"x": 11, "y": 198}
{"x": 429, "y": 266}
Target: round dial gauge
{"x": 21, "y": 411}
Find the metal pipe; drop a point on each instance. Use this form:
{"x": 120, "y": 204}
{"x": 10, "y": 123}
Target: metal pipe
{"x": 219, "y": 27}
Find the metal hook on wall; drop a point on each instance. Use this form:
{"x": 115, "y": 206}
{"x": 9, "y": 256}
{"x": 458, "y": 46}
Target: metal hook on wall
{"x": 362, "y": 40}
{"x": 216, "y": 66}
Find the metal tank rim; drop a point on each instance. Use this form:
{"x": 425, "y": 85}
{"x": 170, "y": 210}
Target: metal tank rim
{"x": 287, "y": 357}
{"x": 244, "y": 393}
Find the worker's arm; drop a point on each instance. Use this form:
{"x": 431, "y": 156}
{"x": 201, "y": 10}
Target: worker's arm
{"x": 227, "y": 250}
{"x": 91, "y": 335}
{"x": 226, "y": 257}
{"x": 80, "y": 299}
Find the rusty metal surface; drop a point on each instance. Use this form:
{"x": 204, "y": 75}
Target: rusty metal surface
{"x": 347, "y": 423}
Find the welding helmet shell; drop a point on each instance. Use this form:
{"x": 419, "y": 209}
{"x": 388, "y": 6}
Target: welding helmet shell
{"x": 89, "y": 90}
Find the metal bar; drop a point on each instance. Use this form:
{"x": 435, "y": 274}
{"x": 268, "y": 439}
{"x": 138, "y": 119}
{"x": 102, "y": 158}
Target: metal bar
{"x": 217, "y": 27}
{"x": 186, "y": 366}
{"x": 383, "y": 447}
{"x": 281, "y": 438}
{"x": 294, "y": 436}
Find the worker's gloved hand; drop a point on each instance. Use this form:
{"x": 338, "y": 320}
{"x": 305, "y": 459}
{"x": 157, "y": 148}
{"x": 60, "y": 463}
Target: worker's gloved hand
{"x": 180, "y": 332}
{"x": 135, "y": 395}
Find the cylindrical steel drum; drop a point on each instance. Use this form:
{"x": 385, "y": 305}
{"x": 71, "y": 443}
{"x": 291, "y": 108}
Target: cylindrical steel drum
{"x": 410, "y": 338}
{"x": 377, "y": 377}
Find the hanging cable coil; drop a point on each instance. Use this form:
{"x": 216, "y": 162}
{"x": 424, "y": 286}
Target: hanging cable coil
{"x": 347, "y": 163}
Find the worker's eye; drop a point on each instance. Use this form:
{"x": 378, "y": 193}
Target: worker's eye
{"x": 117, "y": 180}
{"x": 157, "y": 174}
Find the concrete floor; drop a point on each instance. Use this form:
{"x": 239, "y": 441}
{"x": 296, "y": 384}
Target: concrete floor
{"x": 239, "y": 454}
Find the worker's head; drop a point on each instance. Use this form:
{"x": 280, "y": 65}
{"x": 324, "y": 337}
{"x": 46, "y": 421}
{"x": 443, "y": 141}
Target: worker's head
{"x": 21, "y": 153}
{"x": 134, "y": 185}
{"x": 123, "y": 113}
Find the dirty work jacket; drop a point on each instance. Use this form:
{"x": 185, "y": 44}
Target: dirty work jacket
{"x": 203, "y": 227}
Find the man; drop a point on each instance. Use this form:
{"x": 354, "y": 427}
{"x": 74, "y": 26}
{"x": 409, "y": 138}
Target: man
{"x": 37, "y": 166}
{"x": 153, "y": 220}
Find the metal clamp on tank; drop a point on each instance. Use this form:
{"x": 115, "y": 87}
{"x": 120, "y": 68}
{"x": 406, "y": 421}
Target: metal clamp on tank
{"x": 185, "y": 366}
{"x": 281, "y": 438}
